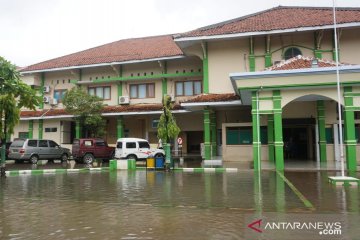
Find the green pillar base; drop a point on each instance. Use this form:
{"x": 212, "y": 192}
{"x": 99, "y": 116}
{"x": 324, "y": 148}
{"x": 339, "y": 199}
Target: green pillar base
{"x": 344, "y": 181}
{"x": 207, "y": 150}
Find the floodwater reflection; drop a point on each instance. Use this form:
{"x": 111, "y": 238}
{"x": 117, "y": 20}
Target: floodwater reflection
{"x": 158, "y": 205}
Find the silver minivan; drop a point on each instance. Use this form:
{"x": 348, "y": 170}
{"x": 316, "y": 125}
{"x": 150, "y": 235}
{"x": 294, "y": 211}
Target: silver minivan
{"x": 33, "y": 150}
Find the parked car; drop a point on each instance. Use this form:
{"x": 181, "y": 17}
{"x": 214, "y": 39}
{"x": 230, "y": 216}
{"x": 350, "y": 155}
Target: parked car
{"x": 136, "y": 148}
{"x": 33, "y": 150}
{"x": 88, "y": 149}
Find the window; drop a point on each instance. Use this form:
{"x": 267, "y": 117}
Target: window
{"x": 101, "y": 92}
{"x": 53, "y": 144}
{"x": 43, "y": 143}
{"x": 23, "y": 134}
{"x": 144, "y": 145}
{"x": 188, "y": 88}
{"x": 130, "y": 145}
{"x": 100, "y": 143}
{"x": 291, "y": 52}
{"x": 32, "y": 143}
{"x": 88, "y": 143}
{"x": 59, "y": 94}
{"x": 119, "y": 145}
{"x": 50, "y": 129}
{"x": 329, "y": 135}
{"x": 142, "y": 90}
{"x": 243, "y": 135}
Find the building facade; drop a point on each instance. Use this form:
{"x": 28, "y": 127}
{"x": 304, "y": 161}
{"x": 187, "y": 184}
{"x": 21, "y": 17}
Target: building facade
{"x": 252, "y": 89}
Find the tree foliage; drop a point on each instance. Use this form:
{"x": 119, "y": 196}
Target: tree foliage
{"x": 167, "y": 128}
{"x": 14, "y": 95}
{"x": 87, "y": 109}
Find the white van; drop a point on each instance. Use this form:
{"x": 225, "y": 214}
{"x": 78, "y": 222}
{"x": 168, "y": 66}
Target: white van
{"x": 135, "y": 148}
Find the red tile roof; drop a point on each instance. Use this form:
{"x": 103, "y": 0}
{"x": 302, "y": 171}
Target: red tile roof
{"x": 119, "y": 51}
{"x": 302, "y": 62}
{"x": 226, "y": 97}
{"x": 278, "y": 18}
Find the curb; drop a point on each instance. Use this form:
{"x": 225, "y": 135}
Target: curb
{"x": 84, "y": 170}
{"x": 53, "y": 171}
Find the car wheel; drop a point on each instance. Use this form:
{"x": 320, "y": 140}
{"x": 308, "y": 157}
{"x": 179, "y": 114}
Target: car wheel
{"x": 131, "y": 157}
{"x": 64, "y": 158}
{"x": 88, "y": 158}
{"x": 34, "y": 159}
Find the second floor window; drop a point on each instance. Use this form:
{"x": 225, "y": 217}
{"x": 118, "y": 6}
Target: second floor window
{"x": 188, "y": 88}
{"x": 101, "y": 92}
{"x": 59, "y": 94}
{"x": 291, "y": 52}
{"x": 146, "y": 90}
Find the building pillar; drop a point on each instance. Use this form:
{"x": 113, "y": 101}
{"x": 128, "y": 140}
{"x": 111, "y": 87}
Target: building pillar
{"x": 78, "y": 129}
{"x": 31, "y": 129}
{"x": 42, "y": 84}
{"x": 322, "y": 130}
{"x": 270, "y": 133}
{"x": 268, "y": 60}
{"x": 334, "y": 48}
{"x": 349, "y": 122}
{"x": 207, "y": 143}
{"x": 251, "y": 55}
{"x": 119, "y": 85}
{"x": 213, "y": 133}
{"x": 255, "y": 132}
{"x": 164, "y": 80}
{"x": 120, "y": 127}
{"x": 278, "y": 135}
{"x": 41, "y": 121}
{"x": 318, "y": 35}
{"x": 205, "y": 68}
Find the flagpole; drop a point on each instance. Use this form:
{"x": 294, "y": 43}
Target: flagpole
{"x": 338, "y": 93}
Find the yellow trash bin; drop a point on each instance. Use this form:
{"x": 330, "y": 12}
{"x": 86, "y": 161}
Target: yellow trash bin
{"x": 150, "y": 162}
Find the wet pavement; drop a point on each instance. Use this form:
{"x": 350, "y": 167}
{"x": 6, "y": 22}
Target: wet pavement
{"x": 169, "y": 205}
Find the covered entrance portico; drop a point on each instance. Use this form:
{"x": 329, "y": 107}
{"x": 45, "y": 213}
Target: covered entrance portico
{"x": 301, "y": 94}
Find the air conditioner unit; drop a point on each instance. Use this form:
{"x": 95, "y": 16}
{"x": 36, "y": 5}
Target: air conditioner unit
{"x": 124, "y": 100}
{"x": 46, "y": 89}
{"x": 53, "y": 101}
{"x": 46, "y": 99}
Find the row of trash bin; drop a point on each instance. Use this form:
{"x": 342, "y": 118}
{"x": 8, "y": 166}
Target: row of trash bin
{"x": 155, "y": 163}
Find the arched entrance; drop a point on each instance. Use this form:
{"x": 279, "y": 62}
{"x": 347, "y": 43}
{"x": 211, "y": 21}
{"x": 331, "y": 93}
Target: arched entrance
{"x": 308, "y": 132}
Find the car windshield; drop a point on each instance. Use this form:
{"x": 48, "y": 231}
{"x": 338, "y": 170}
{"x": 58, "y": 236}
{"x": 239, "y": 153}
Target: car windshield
{"x": 18, "y": 143}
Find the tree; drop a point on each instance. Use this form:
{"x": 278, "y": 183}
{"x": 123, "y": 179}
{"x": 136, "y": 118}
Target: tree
{"x": 87, "y": 109}
{"x": 167, "y": 128}
{"x": 14, "y": 95}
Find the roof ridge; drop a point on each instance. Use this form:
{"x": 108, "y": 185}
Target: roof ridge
{"x": 238, "y": 20}
{"x": 109, "y": 44}
{"x": 228, "y": 21}
{"x": 301, "y": 57}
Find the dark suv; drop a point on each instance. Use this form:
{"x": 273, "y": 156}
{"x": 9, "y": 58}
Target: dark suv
{"x": 88, "y": 149}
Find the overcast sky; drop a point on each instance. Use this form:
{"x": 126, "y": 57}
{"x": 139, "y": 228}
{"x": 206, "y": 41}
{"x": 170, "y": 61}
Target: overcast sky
{"x": 32, "y": 31}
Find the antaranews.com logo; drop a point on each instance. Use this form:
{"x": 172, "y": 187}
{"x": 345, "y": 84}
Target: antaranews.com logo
{"x": 327, "y": 228}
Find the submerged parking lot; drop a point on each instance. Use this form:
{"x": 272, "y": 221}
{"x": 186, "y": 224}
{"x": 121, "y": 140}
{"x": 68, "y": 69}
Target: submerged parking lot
{"x": 167, "y": 205}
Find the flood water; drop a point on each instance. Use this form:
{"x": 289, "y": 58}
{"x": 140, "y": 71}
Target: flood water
{"x": 164, "y": 205}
